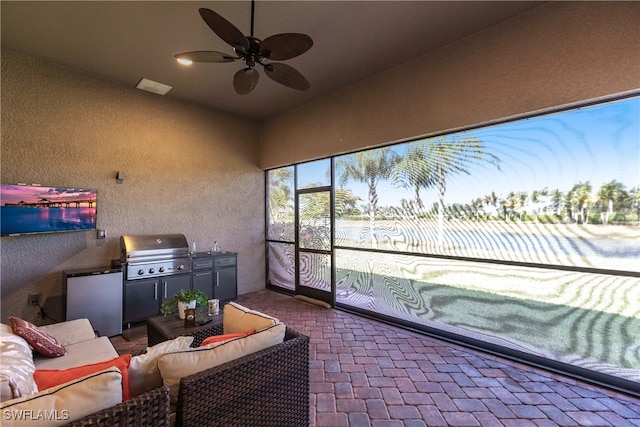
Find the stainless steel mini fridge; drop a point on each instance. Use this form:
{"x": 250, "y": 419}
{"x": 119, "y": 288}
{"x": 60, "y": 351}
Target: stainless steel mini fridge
{"x": 96, "y": 294}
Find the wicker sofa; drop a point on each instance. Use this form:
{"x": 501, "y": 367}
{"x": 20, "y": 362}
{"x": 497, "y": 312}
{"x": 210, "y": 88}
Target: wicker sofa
{"x": 266, "y": 388}
{"x": 88, "y": 393}
{"x": 150, "y": 409}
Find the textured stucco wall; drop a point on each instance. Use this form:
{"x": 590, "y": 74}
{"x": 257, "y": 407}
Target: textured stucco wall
{"x": 560, "y": 53}
{"x": 187, "y": 170}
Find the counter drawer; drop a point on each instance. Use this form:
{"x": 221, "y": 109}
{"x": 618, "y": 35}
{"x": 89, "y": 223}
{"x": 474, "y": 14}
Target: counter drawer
{"x": 224, "y": 261}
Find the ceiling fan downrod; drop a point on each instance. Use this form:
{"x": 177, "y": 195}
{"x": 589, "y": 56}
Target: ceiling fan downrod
{"x": 253, "y": 6}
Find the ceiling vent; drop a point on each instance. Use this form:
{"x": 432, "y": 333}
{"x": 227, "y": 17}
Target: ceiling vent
{"x": 153, "y": 87}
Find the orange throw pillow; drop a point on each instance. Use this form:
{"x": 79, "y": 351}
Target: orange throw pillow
{"x": 46, "y": 378}
{"x": 218, "y": 338}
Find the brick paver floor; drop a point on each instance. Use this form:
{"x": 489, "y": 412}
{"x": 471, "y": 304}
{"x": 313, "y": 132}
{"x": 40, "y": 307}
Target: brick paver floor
{"x": 367, "y": 373}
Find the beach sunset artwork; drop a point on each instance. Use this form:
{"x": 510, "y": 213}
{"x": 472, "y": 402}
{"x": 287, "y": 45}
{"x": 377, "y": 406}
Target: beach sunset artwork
{"x": 33, "y": 209}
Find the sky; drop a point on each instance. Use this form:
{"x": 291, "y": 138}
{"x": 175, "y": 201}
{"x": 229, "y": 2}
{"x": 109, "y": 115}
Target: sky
{"x": 597, "y": 144}
{"x": 29, "y": 194}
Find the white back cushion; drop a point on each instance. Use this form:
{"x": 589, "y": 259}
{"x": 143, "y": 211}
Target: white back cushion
{"x": 144, "y": 374}
{"x": 237, "y": 318}
{"x": 71, "y": 331}
{"x": 16, "y": 369}
{"x": 174, "y": 366}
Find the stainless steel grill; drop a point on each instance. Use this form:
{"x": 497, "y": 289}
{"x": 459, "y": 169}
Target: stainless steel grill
{"x": 154, "y": 255}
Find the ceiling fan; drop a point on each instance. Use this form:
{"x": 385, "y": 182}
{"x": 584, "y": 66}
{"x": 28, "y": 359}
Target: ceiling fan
{"x": 253, "y": 51}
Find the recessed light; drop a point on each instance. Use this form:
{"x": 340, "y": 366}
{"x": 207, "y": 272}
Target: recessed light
{"x": 153, "y": 87}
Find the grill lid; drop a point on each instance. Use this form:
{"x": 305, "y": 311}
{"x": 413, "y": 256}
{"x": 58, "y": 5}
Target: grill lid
{"x": 153, "y": 247}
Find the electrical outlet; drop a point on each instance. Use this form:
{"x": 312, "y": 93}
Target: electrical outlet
{"x": 34, "y": 299}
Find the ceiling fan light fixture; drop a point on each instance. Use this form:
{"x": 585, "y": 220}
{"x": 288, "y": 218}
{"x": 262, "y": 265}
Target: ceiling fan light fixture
{"x": 245, "y": 80}
{"x": 184, "y": 61}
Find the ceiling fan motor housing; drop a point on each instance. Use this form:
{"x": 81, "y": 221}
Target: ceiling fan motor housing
{"x": 254, "y": 55}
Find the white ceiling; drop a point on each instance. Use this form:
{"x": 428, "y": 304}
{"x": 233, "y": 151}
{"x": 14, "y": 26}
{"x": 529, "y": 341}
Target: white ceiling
{"x": 128, "y": 40}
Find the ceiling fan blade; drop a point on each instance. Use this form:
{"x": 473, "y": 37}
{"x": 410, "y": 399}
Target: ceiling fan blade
{"x": 245, "y": 80}
{"x": 286, "y": 75}
{"x": 225, "y": 29}
{"x": 205, "y": 56}
{"x": 285, "y": 46}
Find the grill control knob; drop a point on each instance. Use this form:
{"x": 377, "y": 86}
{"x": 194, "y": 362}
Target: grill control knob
{"x": 140, "y": 272}
{"x": 151, "y": 271}
{"x": 161, "y": 270}
{"x": 180, "y": 267}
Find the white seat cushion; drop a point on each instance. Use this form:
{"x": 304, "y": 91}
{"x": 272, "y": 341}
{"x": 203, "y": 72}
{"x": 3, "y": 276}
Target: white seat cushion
{"x": 62, "y": 404}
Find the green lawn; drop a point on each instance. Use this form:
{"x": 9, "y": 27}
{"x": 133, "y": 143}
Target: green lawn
{"x": 589, "y": 320}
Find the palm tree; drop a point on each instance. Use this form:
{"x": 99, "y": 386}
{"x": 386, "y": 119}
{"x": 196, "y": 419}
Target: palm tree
{"x": 504, "y": 205}
{"x": 557, "y": 200}
{"x": 522, "y": 204}
{"x": 476, "y": 205}
{"x": 414, "y": 171}
{"x": 608, "y": 193}
{"x": 512, "y": 201}
{"x": 634, "y": 198}
{"x": 369, "y": 167}
{"x": 427, "y": 163}
{"x": 491, "y": 199}
{"x": 345, "y": 203}
{"x": 580, "y": 198}
{"x": 280, "y": 187}
{"x": 535, "y": 202}
{"x": 453, "y": 157}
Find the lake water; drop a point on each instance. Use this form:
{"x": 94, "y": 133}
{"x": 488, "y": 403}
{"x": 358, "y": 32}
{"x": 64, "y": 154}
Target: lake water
{"x": 17, "y": 220}
{"x": 597, "y": 246}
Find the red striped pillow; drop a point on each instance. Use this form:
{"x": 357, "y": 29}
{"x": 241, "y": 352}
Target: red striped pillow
{"x": 42, "y": 342}
{"x": 226, "y": 337}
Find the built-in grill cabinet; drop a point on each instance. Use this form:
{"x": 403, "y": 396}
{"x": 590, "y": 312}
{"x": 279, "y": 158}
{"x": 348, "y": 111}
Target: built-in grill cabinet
{"x": 155, "y": 268}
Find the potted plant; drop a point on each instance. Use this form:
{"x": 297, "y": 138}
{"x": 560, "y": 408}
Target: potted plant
{"x": 183, "y": 299}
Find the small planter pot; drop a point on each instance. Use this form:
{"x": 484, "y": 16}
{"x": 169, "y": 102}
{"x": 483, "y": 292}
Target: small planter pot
{"x": 182, "y": 305}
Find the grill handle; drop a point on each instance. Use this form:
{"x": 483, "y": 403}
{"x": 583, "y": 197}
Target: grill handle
{"x": 155, "y": 291}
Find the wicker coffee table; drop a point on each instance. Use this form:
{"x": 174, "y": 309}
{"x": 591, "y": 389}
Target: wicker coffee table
{"x": 164, "y": 328}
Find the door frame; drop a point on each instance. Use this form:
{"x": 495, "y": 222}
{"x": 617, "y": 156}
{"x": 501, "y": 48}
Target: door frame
{"x": 300, "y": 289}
